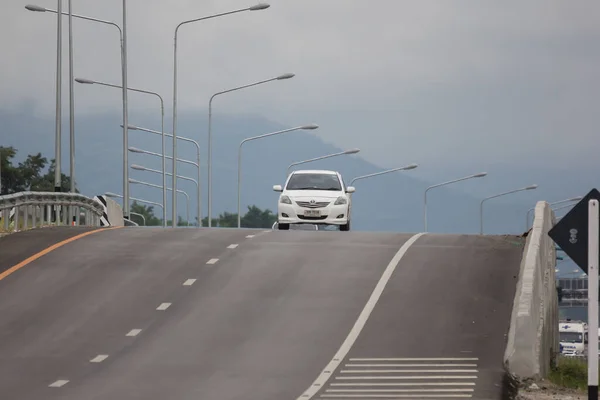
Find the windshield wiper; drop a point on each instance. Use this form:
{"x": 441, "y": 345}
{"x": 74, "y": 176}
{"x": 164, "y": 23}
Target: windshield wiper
{"x": 315, "y": 188}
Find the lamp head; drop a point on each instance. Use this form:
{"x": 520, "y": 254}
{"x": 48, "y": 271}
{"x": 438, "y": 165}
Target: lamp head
{"x": 480, "y": 175}
{"x": 531, "y": 187}
{"x": 411, "y": 166}
{"x": 32, "y": 7}
{"x": 111, "y": 194}
{"x": 138, "y": 167}
{"x": 135, "y": 150}
{"x": 85, "y": 81}
{"x": 310, "y": 126}
{"x": 351, "y": 151}
{"x": 286, "y": 76}
{"x": 259, "y": 6}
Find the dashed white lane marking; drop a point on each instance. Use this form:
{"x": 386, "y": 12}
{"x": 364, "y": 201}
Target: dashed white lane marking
{"x": 189, "y": 282}
{"x": 232, "y": 246}
{"x": 249, "y": 236}
{"x": 99, "y": 358}
{"x": 133, "y": 332}
{"x": 58, "y": 383}
{"x": 163, "y": 306}
{"x": 360, "y": 322}
{"x": 212, "y": 261}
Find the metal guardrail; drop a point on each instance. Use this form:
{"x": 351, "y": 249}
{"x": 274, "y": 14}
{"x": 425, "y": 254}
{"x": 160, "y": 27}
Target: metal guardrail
{"x": 48, "y": 208}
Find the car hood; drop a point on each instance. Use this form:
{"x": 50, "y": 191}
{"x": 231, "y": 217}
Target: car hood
{"x": 312, "y": 194}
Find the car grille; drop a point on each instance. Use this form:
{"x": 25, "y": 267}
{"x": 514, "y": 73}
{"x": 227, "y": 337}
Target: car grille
{"x": 313, "y": 218}
{"x": 318, "y": 204}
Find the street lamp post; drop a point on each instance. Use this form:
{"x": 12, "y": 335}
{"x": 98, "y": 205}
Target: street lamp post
{"x": 142, "y": 168}
{"x": 162, "y": 116}
{"x": 139, "y": 215}
{"x": 531, "y": 187}
{"x": 479, "y": 175}
{"x": 125, "y": 114}
{"x": 58, "y": 139}
{"x": 110, "y": 194}
{"x": 123, "y": 42}
{"x": 302, "y": 127}
{"x": 135, "y": 181}
{"x": 551, "y": 204}
{"x": 182, "y": 138}
{"x": 405, "y": 168}
{"x": 341, "y": 153}
{"x": 278, "y": 78}
{"x": 71, "y": 106}
{"x": 257, "y": 7}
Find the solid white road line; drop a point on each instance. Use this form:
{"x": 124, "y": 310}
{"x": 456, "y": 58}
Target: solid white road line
{"x": 163, "y": 306}
{"x": 414, "y": 359}
{"x": 99, "y": 358}
{"x": 410, "y": 377}
{"x": 249, "y": 236}
{"x": 134, "y": 332}
{"x": 212, "y": 261}
{"x": 360, "y": 322}
{"x": 189, "y": 282}
{"x": 388, "y": 371}
{"x": 58, "y": 383}
{"x": 409, "y": 365}
{"x": 406, "y": 384}
{"x": 232, "y": 246}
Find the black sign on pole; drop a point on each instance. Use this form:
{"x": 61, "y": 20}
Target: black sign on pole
{"x": 571, "y": 232}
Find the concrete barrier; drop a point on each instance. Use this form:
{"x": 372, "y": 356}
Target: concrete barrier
{"x": 532, "y": 344}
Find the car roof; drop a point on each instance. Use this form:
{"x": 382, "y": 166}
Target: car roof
{"x": 315, "y": 171}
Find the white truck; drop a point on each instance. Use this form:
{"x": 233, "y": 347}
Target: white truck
{"x": 573, "y": 338}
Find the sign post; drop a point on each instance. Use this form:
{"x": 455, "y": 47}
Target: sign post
{"x": 578, "y": 235}
{"x": 593, "y": 259}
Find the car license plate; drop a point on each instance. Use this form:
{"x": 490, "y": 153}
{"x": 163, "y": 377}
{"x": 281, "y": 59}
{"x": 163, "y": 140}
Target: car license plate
{"x": 312, "y": 213}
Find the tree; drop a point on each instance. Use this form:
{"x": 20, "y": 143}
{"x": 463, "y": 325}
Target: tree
{"x": 257, "y": 218}
{"x": 254, "y": 218}
{"x": 147, "y": 212}
{"x": 29, "y": 175}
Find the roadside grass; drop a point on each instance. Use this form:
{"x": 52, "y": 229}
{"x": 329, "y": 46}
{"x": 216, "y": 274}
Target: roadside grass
{"x": 570, "y": 372}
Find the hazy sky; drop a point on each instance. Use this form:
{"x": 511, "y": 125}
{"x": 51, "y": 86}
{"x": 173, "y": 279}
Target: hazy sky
{"x": 432, "y": 82}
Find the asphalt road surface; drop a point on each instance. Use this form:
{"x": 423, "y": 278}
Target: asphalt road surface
{"x": 229, "y": 314}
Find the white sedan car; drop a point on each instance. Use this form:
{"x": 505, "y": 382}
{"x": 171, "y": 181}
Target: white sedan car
{"x": 314, "y": 197}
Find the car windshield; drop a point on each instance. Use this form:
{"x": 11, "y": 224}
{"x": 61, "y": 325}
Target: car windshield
{"x": 314, "y": 182}
{"x": 571, "y": 337}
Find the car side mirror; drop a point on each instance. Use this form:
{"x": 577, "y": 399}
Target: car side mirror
{"x": 350, "y": 189}
{"x": 277, "y": 188}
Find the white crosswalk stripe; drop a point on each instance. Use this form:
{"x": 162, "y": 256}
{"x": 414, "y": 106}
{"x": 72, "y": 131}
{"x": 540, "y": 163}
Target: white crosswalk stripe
{"x": 403, "y": 378}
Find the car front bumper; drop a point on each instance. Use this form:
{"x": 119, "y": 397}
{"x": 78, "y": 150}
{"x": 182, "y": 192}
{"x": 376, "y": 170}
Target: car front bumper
{"x": 330, "y": 215}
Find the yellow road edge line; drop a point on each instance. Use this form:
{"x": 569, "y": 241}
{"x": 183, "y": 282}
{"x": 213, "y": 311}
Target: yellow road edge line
{"x": 47, "y": 250}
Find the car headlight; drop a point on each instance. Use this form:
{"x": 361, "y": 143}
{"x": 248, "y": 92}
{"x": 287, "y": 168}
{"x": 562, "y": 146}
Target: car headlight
{"x": 340, "y": 200}
{"x": 285, "y": 200}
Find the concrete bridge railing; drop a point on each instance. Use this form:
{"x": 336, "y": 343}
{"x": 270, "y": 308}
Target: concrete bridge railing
{"x": 533, "y": 344}
{"x": 25, "y": 210}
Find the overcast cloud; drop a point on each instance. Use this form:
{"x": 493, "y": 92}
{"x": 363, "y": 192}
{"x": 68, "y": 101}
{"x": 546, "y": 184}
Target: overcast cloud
{"x": 423, "y": 81}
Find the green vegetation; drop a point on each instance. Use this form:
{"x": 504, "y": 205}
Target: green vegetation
{"x": 254, "y": 218}
{"x": 570, "y": 372}
{"x": 33, "y": 174}
{"x": 36, "y": 173}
